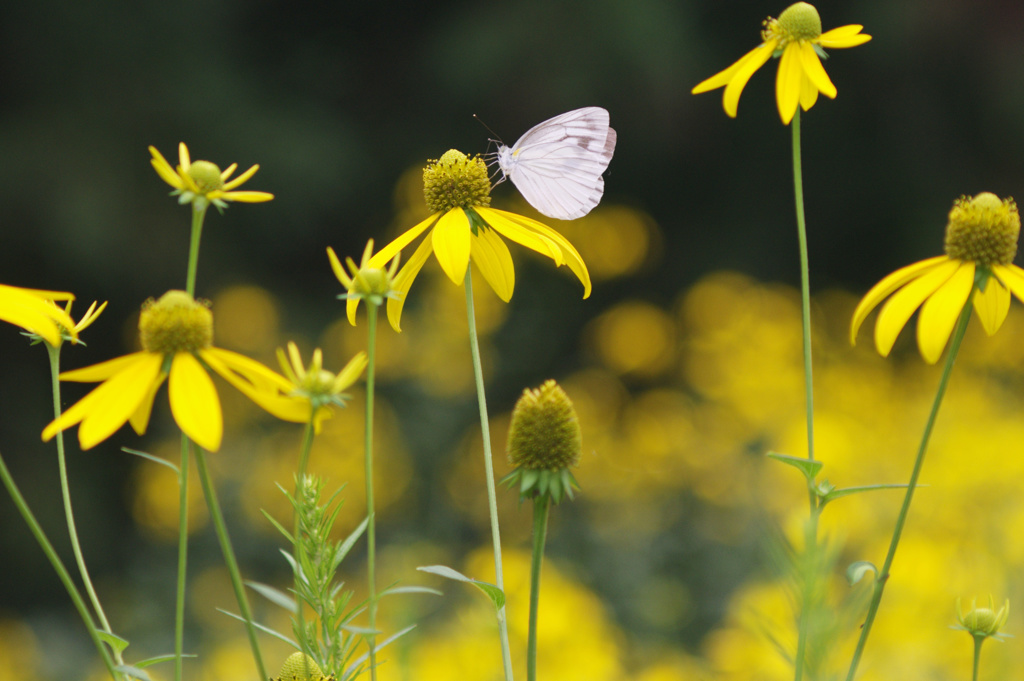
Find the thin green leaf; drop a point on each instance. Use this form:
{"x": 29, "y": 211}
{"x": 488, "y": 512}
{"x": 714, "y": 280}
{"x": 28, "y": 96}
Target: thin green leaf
{"x": 847, "y": 491}
{"x": 409, "y": 590}
{"x": 809, "y": 468}
{"x": 280, "y": 528}
{"x": 496, "y": 595}
{"x": 267, "y": 630}
{"x": 857, "y": 570}
{"x": 154, "y": 459}
{"x": 362, "y": 658}
{"x": 275, "y": 596}
{"x": 112, "y": 640}
{"x": 133, "y": 671}
{"x": 149, "y": 662}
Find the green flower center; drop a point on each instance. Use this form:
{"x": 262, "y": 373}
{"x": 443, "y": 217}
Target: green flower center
{"x": 983, "y": 229}
{"x": 456, "y": 181}
{"x": 175, "y": 323}
{"x": 206, "y": 175}
{"x": 545, "y": 431}
{"x": 300, "y": 667}
{"x": 798, "y": 22}
{"x": 372, "y": 281}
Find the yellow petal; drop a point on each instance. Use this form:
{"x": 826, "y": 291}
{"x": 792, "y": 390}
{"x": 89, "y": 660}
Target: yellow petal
{"x": 194, "y": 402}
{"x": 885, "y": 288}
{"x": 539, "y": 237}
{"x": 1012, "y": 277}
{"x": 238, "y": 181}
{"x": 350, "y": 374}
{"x": 941, "y": 310}
{"x": 904, "y": 303}
{"x": 491, "y": 256}
{"x": 815, "y": 71}
{"x": 384, "y": 255}
{"x": 257, "y": 389}
{"x": 23, "y": 308}
{"x": 226, "y": 173}
{"x": 451, "y": 237}
{"x": 992, "y": 305}
{"x": 246, "y": 197}
{"x": 844, "y": 36}
{"x": 258, "y": 375}
{"x": 724, "y": 77}
{"x": 117, "y": 398}
{"x": 808, "y": 93}
{"x": 752, "y": 61}
{"x": 164, "y": 169}
{"x": 403, "y": 282}
{"x": 103, "y": 370}
{"x": 139, "y": 420}
{"x": 183, "y": 158}
{"x": 523, "y": 231}
{"x": 787, "y": 82}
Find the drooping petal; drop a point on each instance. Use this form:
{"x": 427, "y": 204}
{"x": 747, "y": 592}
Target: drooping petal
{"x": 992, "y": 305}
{"x": 752, "y": 61}
{"x": 451, "y": 236}
{"x": 844, "y": 36}
{"x": 194, "y": 402}
{"x": 27, "y": 310}
{"x": 118, "y": 398}
{"x": 537, "y": 236}
{"x": 904, "y": 303}
{"x": 103, "y": 370}
{"x": 1012, "y": 277}
{"x": 258, "y": 375}
{"x": 491, "y": 256}
{"x": 384, "y": 255}
{"x": 815, "y": 71}
{"x": 139, "y": 420}
{"x": 885, "y": 288}
{"x": 941, "y": 310}
{"x": 283, "y": 406}
{"x": 403, "y": 282}
{"x": 787, "y": 82}
{"x": 724, "y": 77}
{"x": 523, "y": 231}
{"x": 808, "y": 93}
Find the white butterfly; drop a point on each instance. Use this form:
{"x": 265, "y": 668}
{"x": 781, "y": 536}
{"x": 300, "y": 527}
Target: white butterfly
{"x": 557, "y": 164}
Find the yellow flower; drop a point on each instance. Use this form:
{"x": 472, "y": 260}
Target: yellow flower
{"x": 32, "y": 310}
{"x": 981, "y": 242}
{"x": 201, "y": 182}
{"x": 795, "y": 36}
{"x": 176, "y": 334}
{"x": 308, "y": 393}
{"x": 983, "y": 622}
{"x": 464, "y": 227}
{"x": 365, "y": 282}
{"x": 87, "y": 319}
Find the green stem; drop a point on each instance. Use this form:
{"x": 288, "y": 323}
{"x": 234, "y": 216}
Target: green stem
{"x": 179, "y": 598}
{"x": 229, "y": 557}
{"x": 371, "y": 540}
{"x": 298, "y": 545}
{"x": 541, "y": 505}
{"x": 198, "y": 215}
{"x": 978, "y": 640}
{"x": 65, "y": 489}
{"x": 805, "y": 283}
{"x": 492, "y": 500}
{"x": 805, "y": 306}
{"x": 883, "y": 574}
{"x": 62, "y": 573}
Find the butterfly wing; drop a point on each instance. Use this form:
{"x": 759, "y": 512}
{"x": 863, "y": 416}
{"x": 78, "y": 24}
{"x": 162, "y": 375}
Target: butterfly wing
{"x": 557, "y": 165}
